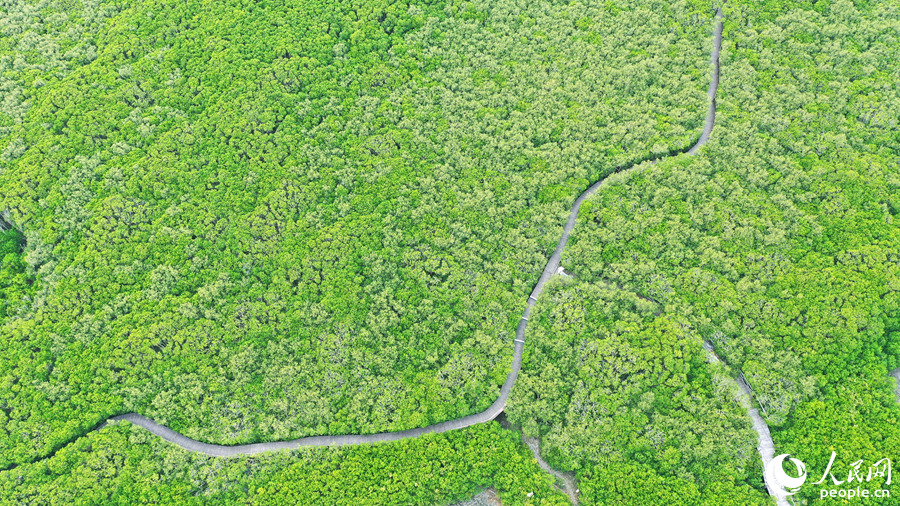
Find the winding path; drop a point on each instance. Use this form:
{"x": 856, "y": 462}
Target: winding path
{"x": 518, "y": 344}
{"x": 765, "y": 446}
{"x": 567, "y": 478}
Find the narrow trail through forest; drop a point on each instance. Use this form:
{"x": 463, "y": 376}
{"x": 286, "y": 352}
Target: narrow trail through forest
{"x": 518, "y": 342}
{"x": 567, "y": 478}
{"x": 765, "y": 446}
{"x": 766, "y": 449}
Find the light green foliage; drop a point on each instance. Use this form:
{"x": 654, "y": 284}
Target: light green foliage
{"x": 135, "y": 467}
{"x": 41, "y": 40}
{"x": 263, "y": 220}
{"x": 779, "y": 244}
{"x": 623, "y": 395}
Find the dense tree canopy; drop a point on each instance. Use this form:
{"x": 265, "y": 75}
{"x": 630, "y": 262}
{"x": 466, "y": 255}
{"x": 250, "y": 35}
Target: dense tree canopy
{"x": 257, "y": 221}
{"x": 778, "y": 244}
{"x": 135, "y": 467}
{"x": 623, "y": 394}
{"x": 251, "y": 223}
{"x": 14, "y": 282}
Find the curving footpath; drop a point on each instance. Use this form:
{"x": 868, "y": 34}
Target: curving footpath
{"x": 766, "y": 446}
{"x": 567, "y": 478}
{"x": 518, "y": 343}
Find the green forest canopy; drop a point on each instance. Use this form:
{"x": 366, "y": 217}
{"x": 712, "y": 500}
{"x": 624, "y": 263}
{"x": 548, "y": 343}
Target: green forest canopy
{"x": 256, "y": 224}
{"x": 779, "y": 246}
{"x": 251, "y": 223}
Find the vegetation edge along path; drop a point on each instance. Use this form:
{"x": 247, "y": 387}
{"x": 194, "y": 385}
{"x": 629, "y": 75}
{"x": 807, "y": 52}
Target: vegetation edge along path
{"x": 766, "y": 446}
{"x": 567, "y": 479}
{"x": 518, "y": 343}
{"x": 494, "y": 409}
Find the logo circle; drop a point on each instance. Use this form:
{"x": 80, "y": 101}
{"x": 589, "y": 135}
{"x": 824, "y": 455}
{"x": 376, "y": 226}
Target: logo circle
{"x": 790, "y": 484}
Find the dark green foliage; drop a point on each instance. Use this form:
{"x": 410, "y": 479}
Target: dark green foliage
{"x": 14, "y": 281}
{"x": 641, "y": 485}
